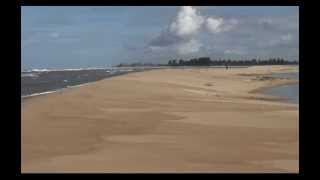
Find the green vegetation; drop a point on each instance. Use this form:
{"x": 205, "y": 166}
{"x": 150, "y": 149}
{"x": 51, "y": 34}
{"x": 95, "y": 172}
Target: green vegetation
{"x": 206, "y": 61}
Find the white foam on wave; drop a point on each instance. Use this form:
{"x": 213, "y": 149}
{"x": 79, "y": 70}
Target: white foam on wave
{"x": 69, "y": 69}
{"x": 40, "y": 70}
{"x": 111, "y": 70}
{"x": 29, "y": 75}
{"x": 58, "y": 90}
{"x": 79, "y": 85}
{"x": 38, "y": 94}
{"x": 92, "y": 68}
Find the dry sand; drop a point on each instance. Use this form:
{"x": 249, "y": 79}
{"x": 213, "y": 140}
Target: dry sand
{"x": 169, "y": 120}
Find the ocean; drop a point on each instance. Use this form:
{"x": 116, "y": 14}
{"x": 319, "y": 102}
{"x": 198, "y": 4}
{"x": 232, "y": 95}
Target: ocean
{"x": 290, "y": 92}
{"x": 41, "y": 81}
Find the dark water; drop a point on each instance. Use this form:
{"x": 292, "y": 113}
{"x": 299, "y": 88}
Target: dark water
{"x": 294, "y": 75}
{"x": 40, "y": 81}
{"x": 289, "y": 92}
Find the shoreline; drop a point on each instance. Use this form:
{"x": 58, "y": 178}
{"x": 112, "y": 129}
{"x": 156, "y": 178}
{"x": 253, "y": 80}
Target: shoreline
{"x": 258, "y": 90}
{"x": 292, "y": 81}
{"x": 276, "y": 98}
{"x": 26, "y": 97}
{"x": 165, "y": 120}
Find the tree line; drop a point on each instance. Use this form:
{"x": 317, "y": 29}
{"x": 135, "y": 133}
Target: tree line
{"x": 206, "y": 61}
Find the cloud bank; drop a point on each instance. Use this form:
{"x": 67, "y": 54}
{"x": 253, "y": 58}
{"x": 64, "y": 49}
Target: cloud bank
{"x": 182, "y": 33}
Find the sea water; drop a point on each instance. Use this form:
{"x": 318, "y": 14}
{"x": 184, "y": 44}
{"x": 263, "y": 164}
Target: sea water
{"x": 42, "y": 81}
{"x": 290, "y": 92}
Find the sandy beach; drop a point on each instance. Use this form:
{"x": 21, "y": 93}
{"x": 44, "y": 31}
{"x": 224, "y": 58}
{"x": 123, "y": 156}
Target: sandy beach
{"x": 164, "y": 120}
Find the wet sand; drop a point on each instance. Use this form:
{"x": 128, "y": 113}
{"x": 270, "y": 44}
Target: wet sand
{"x": 166, "y": 120}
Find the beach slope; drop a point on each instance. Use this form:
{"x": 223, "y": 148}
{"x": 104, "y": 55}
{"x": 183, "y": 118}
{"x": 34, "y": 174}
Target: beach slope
{"x": 166, "y": 120}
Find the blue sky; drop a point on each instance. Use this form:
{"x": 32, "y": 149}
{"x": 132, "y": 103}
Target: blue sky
{"x": 80, "y": 36}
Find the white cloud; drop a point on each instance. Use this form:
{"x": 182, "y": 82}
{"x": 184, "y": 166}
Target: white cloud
{"x": 187, "y": 22}
{"x": 218, "y": 25}
{"x": 183, "y": 48}
{"x": 182, "y": 33}
{"x": 235, "y": 52}
{"x": 155, "y": 48}
{"x": 230, "y": 24}
{"x": 188, "y": 48}
{"x": 214, "y": 25}
{"x": 282, "y": 40}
